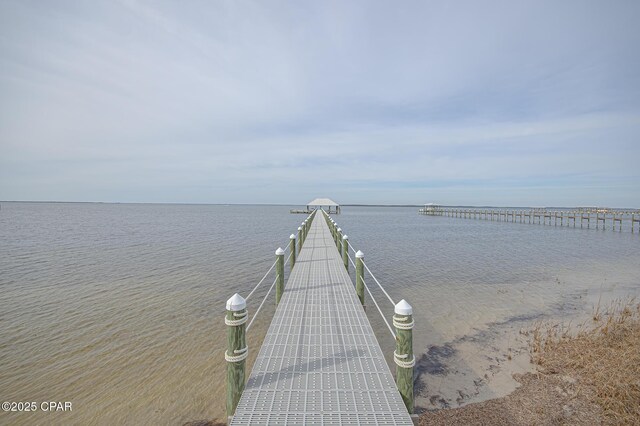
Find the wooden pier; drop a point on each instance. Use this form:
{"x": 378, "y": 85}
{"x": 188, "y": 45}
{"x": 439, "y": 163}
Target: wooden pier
{"x": 602, "y": 218}
{"x": 320, "y": 362}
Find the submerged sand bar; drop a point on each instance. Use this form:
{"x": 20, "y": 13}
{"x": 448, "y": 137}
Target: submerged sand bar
{"x": 320, "y": 362}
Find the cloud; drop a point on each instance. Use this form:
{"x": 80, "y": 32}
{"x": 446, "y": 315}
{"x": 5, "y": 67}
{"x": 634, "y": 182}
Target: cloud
{"x": 372, "y": 101}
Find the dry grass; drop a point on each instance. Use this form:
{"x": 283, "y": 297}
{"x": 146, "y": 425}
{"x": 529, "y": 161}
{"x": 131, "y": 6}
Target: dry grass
{"x": 541, "y": 400}
{"x": 587, "y": 374}
{"x": 604, "y": 357}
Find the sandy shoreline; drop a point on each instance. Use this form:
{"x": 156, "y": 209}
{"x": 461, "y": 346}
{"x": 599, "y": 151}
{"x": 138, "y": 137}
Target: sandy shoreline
{"x": 479, "y": 365}
{"x": 585, "y": 374}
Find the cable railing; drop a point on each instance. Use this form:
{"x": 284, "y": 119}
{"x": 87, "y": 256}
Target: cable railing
{"x": 264, "y": 299}
{"x": 373, "y": 299}
{"x": 333, "y": 225}
{"x": 237, "y": 314}
{"x": 291, "y": 248}
{"x": 261, "y": 281}
{"x": 403, "y": 312}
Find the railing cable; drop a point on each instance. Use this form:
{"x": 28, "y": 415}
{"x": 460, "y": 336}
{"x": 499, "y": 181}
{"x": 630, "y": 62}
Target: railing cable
{"x": 351, "y": 260}
{"x": 379, "y": 310}
{"x": 379, "y": 285}
{"x": 265, "y": 276}
{"x": 374, "y": 301}
{"x": 263, "y": 300}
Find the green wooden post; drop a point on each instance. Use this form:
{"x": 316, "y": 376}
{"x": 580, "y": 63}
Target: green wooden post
{"x": 279, "y": 274}
{"x": 360, "y": 276}
{"x": 345, "y": 251}
{"x": 403, "y": 355}
{"x": 339, "y": 241}
{"x": 335, "y": 233}
{"x": 299, "y": 239}
{"x": 237, "y": 350}
{"x": 303, "y": 225}
{"x": 292, "y": 250}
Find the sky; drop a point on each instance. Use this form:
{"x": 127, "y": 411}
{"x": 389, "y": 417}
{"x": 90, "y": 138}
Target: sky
{"x": 527, "y": 103}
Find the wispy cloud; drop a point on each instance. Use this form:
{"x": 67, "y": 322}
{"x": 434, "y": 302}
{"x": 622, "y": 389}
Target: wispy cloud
{"x": 240, "y": 101}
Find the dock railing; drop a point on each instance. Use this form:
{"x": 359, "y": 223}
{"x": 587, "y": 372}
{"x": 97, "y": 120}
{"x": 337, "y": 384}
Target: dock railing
{"x": 237, "y": 316}
{"x": 402, "y": 319}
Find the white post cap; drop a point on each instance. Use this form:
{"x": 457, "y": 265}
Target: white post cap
{"x": 345, "y": 237}
{"x": 359, "y": 255}
{"x": 299, "y": 228}
{"x": 279, "y": 252}
{"x": 403, "y": 308}
{"x": 339, "y": 229}
{"x": 236, "y": 303}
{"x": 292, "y": 236}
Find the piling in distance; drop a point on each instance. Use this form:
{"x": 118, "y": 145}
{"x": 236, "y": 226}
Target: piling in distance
{"x": 237, "y": 351}
{"x": 403, "y": 355}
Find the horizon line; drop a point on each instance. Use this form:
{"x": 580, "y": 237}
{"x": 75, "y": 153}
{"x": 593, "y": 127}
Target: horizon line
{"x": 297, "y": 204}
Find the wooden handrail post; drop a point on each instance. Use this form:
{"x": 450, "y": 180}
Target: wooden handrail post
{"x": 292, "y": 250}
{"x": 237, "y": 350}
{"x": 279, "y": 274}
{"x": 345, "y": 251}
{"x": 403, "y": 355}
{"x": 299, "y": 239}
{"x": 360, "y": 276}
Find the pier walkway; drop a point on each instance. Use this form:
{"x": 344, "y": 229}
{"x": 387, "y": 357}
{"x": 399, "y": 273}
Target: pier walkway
{"x": 320, "y": 362}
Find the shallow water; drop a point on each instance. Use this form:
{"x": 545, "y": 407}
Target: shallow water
{"x": 118, "y": 308}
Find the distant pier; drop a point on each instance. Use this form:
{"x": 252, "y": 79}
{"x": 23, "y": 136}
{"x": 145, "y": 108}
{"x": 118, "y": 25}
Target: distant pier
{"x": 586, "y": 217}
{"x": 327, "y": 204}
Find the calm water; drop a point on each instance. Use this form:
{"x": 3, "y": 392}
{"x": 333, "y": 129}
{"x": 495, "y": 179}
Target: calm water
{"x": 118, "y": 308}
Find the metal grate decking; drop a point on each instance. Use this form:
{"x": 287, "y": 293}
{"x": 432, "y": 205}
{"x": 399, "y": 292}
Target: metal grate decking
{"x": 320, "y": 362}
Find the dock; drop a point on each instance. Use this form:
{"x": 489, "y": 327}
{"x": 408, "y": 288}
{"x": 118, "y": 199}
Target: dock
{"x": 593, "y": 217}
{"x": 320, "y": 362}
{"x": 319, "y": 203}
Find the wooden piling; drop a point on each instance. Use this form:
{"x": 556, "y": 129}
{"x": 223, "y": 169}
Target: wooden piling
{"x": 299, "y": 239}
{"x": 303, "y": 225}
{"x": 403, "y": 355}
{"x": 237, "y": 350}
{"x": 345, "y": 251}
{"x": 279, "y": 274}
{"x": 292, "y": 250}
{"x": 360, "y": 276}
